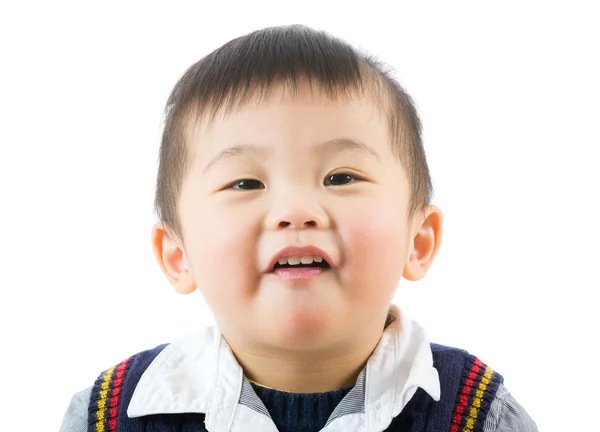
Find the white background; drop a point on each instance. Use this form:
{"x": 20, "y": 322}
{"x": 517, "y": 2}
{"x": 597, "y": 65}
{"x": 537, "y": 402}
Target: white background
{"x": 509, "y": 98}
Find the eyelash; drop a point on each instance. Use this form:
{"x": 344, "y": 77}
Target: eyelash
{"x": 353, "y": 179}
{"x": 237, "y": 182}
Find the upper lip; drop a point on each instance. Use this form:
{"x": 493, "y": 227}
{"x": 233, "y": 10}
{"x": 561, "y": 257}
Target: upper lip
{"x": 298, "y": 251}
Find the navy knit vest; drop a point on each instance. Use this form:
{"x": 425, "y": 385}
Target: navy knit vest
{"x": 468, "y": 387}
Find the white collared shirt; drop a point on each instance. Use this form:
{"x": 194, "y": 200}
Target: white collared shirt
{"x": 199, "y": 374}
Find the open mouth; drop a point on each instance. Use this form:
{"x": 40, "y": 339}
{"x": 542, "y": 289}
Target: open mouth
{"x": 301, "y": 262}
{"x": 290, "y": 266}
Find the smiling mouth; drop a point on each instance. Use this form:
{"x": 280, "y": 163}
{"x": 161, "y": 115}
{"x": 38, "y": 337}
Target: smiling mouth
{"x": 301, "y": 271}
{"x": 322, "y": 265}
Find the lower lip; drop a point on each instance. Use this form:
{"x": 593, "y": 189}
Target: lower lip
{"x": 299, "y": 273}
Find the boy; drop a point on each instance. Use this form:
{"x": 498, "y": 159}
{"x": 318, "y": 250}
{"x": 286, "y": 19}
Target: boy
{"x": 293, "y": 191}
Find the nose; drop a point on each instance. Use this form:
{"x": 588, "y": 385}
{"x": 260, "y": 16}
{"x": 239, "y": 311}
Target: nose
{"x": 297, "y": 212}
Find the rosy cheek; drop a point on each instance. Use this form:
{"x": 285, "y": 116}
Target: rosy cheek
{"x": 375, "y": 243}
{"x": 222, "y": 256}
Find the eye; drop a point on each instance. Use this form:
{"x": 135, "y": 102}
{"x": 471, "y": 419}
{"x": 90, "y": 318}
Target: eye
{"x": 340, "y": 179}
{"x": 247, "y": 184}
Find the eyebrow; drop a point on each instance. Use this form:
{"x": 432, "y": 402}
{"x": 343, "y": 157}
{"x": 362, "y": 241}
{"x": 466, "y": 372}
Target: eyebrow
{"x": 342, "y": 144}
{"x": 238, "y": 150}
{"x": 336, "y": 144}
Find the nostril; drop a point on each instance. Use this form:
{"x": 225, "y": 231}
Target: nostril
{"x": 307, "y": 224}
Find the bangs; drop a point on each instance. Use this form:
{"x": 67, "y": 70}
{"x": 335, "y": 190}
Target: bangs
{"x": 245, "y": 69}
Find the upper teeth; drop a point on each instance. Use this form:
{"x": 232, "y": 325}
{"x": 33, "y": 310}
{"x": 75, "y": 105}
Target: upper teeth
{"x": 295, "y": 260}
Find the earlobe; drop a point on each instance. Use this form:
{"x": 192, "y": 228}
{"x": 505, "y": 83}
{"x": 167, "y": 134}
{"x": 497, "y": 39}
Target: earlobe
{"x": 425, "y": 244}
{"x": 171, "y": 259}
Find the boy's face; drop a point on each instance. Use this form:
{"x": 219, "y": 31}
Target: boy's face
{"x": 288, "y": 172}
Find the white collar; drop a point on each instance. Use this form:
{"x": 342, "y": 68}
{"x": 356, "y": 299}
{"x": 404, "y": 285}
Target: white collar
{"x": 199, "y": 374}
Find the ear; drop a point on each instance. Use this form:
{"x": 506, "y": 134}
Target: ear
{"x": 172, "y": 260}
{"x": 427, "y": 238}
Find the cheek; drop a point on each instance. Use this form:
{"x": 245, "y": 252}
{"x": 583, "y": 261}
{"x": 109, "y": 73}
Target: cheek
{"x": 375, "y": 245}
{"x": 220, "y": 251}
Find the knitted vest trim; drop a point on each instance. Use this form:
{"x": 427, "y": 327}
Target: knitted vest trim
{"x": 478, "y": 386}
{"x": 104, "y": 400}
{"x": 112, "y": 391}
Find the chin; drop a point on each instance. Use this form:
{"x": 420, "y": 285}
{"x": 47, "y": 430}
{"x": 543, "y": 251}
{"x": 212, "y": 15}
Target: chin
{"x": 299, "y": 328}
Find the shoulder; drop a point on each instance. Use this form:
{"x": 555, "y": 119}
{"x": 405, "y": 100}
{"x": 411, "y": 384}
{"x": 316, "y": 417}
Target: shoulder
{"x": 481, "y": 396}
{"x": 124, "y": 373}
{"x": 115, "y": 386}
{"x": 114, "y": 389}
{"x": 446, "y": 358}
{"x": 98, "y": 404}
{"x": 468, "y": 386}
{"x": 459, "y": 367}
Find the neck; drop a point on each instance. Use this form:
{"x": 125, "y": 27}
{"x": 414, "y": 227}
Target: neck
{"x": 309, "y": 372}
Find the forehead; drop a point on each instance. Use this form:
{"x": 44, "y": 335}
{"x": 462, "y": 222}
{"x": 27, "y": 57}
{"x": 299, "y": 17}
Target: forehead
{"x": 285, "y": 115}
